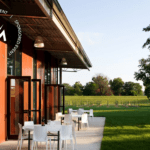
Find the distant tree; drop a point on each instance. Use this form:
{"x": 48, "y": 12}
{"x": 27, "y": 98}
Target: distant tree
{"x": 131, "y": 88}
{"x": 138, "y": 88}
{"x": 78, "y": 88}
{"x": 116, "y": 85}
{"x": 90, "y": 88}
{"x": 103, "y": 86}
{"x": 69, "y": 90}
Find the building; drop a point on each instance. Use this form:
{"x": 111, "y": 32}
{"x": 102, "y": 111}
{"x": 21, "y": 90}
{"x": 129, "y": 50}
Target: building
{"x": 31, "y": 77}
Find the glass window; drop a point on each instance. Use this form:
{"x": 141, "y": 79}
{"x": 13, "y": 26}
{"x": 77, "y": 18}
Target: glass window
{"x": 47, "y": 68}
{"x": 14, "y": 62}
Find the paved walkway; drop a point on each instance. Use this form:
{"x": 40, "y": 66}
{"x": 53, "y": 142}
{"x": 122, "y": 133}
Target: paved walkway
{"x": 87, "y": 138}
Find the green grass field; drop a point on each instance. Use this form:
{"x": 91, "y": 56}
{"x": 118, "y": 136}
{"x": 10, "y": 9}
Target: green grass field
{"x": 126, "y": 128}
{"x": 105, "y": 100}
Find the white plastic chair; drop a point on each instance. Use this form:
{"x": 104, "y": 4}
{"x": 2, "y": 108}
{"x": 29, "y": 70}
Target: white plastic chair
{"x": 91, "y": 113}
{"x": 53, "y": 124}
{"x": 70, "y": 110}
{"x": 58, "y": 116}
{"x": 80, "y": 111}
{"x": 28, "y": 123}
{"x": 68, "y": 119}
{"x": 21, "y": 137}
{"x": 74, "y": 118}
{"x": 84, "y": 119}
{"x": 40, "y": 135}
{"x": 66, "y": 134}
{"x": 74, "y": 133}
{"x": 56, "y": 122}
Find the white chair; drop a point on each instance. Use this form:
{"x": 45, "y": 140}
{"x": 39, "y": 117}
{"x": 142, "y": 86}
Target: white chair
{"x": 66, "y": 134}
{"x": 21, "y": 137}
{"x": 68, "y": 119}
{"x": 84, "y": 119}
{"x": 91, "y": 113}
{"x": 40, "y": 135}
{"x": 74, "y": 133}
{"x": 28, "y": 123}
{"x": 80, "y": 111}
{"x": 58, "y": 116}
{"x": 70, "y": 110}
{"x": 57, "y": 122}
{"x": 74, "y": 118}
{"x": 53, "y": 124}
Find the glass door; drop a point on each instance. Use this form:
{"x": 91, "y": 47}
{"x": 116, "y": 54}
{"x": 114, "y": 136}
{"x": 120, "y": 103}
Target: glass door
{"x": 18, "y": 103}
{"x": 36, "y": 105}
{"x": 54, "y": 100}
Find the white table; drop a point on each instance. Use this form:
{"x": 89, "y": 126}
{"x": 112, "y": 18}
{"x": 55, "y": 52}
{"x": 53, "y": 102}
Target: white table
{"x": 85, "y": 111}
{"x": 55, "y": 128}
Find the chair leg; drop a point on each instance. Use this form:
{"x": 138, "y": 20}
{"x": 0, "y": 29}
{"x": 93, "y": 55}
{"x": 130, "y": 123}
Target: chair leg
{"x": 20, "y": 144}
{"x": 32, "y": 144}
{"x": 75, "y": 142}
{"x": 60, "y": 145}
{"x": 46, "y": 145}
{"x": 36, "y": 145}
{"x": 72, "y": 144}
{"x": 66, "y": 144}
{"x": 50, "y": 144}
{"x": 54, "y": 143}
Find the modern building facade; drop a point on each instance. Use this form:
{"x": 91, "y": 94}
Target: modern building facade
{"x": 31, "y": 78}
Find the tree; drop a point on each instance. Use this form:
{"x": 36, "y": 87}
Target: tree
{"x": 78, "y": 88}
{"x": 90, "y": 88}
{"x": 131, "y": 88}
{"x": 148, "y": 40}
{"x": 116, "y": 86}
{"x": 102, "y": 83}
{"x": 69, "y": 90}
{"x": 144, "y": 71}
{"x": 147, "y": 92}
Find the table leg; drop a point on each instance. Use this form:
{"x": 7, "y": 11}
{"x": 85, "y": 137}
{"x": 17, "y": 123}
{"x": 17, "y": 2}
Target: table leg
{"x": 58, "y": 141}
{"x": 78, "y": 123}
{"x": 29, "y": 140}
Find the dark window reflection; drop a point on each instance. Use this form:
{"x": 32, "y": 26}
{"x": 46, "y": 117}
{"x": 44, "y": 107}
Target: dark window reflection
{"x": 14, "y": 62}
{"x": 47, "y": 68}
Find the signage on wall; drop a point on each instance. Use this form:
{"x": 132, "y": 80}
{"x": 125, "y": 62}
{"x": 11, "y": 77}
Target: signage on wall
{"x": 3, "y": 33}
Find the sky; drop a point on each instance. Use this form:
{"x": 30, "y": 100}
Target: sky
{"x": 110, "y": 32}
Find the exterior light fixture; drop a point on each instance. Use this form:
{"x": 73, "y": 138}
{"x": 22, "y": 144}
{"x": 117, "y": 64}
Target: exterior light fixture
{"x": 39, "y": 42}
{"x": 63, "y": 61}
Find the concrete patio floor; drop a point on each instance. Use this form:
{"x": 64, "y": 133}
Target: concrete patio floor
{"x": 87, "y": 138}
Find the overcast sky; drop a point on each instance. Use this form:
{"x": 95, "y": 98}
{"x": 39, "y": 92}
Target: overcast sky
{"x": 110, "y": 32}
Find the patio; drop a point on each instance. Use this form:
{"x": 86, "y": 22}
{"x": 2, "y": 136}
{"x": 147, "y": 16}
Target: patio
{"x": 87, "y": 138}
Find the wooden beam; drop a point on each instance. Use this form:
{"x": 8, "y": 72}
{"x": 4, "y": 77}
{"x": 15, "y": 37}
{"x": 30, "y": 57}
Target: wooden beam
{"x": 23, "y": 16}
{"x": 4, "y": 4}
{"x": 55, "y": 50}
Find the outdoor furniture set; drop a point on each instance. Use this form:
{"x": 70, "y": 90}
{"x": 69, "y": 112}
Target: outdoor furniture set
{"x": 62, "y": 129}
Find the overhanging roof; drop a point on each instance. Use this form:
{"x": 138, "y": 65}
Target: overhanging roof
{"x": 47, "y": 19}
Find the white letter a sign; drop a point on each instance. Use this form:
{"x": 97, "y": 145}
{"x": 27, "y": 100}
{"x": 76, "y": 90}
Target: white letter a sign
{"x": 3, "y": 34}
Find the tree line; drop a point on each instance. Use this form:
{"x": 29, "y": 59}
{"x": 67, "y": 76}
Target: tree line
{"x": 100, "y": 85}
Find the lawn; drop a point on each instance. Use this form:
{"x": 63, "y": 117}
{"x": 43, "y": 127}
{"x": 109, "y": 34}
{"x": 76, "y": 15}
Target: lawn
{"x": 126, "y": 128}
{"x": 105, "y": 100}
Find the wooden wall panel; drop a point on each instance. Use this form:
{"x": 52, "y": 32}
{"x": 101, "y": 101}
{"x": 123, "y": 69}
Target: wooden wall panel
{"x": 27, "y": 67}
{"x": 3, "y": 98}
{"x": 41, "y": 75}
